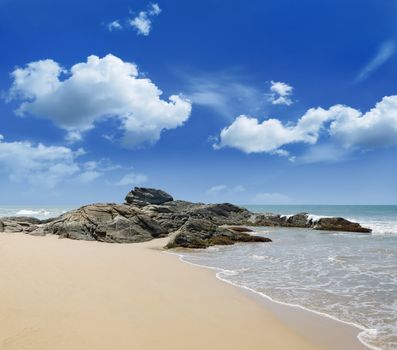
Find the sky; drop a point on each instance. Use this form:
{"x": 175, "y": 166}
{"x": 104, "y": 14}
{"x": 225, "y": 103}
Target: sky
{"x": 250, "y": 102}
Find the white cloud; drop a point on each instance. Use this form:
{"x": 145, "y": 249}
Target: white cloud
{"x": 95, "y": 90}
{"x": 38, "y": 164}
{"x": 224, "y": 189}
{"x": 115, "y": 25}
{"x": 48, "y": 166}
{"x": 376, "y": 128}
{"x": 280, "y": 93}
{"x": 271, "y": 198}
{"x": 385, "y": 52}
{"x": 88, "y": 176}
{"x": 345, "y": 126}
{"x": 154, "y": 9}
{"x": 143, "y": 22}
{"x": 132, "y": 179}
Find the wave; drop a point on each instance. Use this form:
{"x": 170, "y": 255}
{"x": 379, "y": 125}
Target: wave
{"x": 27, "y": 212}
{"x": 363, "y": 332}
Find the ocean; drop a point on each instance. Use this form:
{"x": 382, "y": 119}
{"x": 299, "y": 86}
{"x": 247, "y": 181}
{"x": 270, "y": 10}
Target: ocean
{"x": 351, "y": 277}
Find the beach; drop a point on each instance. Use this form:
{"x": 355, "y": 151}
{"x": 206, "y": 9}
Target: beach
{"x": 66, "y": 294}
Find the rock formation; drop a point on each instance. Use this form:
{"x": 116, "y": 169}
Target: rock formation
{"x": 150, "y": 213}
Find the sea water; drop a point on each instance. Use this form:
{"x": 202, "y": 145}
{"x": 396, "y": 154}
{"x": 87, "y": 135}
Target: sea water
{"x": 40, "y": 212}
{"x": 351, "y": 277}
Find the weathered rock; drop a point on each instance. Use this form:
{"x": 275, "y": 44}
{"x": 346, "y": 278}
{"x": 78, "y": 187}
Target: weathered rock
{"x": 200, "y": 233}
{"x": 151, "y": 213}
{"x": 141, "y": 196}
{"x": 172, "y": 215}
{"x": 299, "y": 220}
{"x": 339, "y": 224}
{"x": 12, "y": 225}
{"x": 106, "y": 223}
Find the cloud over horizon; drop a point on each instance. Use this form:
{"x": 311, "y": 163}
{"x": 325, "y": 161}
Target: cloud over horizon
{"x": 95, "y": 90}
{"x": 347, "y": 127}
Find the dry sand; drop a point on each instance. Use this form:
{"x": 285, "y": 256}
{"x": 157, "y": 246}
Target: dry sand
{"x": 61, "y": 294}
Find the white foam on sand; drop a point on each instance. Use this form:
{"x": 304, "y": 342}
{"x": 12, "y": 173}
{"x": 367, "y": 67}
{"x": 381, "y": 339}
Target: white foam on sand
{"x": 220, "y": 273}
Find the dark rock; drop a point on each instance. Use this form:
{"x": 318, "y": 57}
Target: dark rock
{"x": 339, "y": 224}
{"x": 269, "y": 219}
{"x": 107, "y": 223}
{"x": 299, "y": 220}
{"x": 1, "y": 226}
{"x": 200, "y": 233}
{"x": 141, "y": 196}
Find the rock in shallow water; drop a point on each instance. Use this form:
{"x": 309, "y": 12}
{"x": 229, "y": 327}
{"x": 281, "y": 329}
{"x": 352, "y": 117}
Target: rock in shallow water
{"x": 200, "y": 233}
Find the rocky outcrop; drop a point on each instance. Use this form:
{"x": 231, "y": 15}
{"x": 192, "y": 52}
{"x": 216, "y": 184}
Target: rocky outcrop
{"x": 151, "y": 213}
{"x": 339, "y": 224}
{"x": 200, "y": 233}
{"x": 172, "y": 215}
{"x": 19, "y": 224}
{"x": 141, "y": 197}
{"x": 111, "y": 223}
{"x": 304, "y": 220}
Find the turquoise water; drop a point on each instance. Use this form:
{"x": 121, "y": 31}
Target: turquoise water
{"x": 347, "y": 276}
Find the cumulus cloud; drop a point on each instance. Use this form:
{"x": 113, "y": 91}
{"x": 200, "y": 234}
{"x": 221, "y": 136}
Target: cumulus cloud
{"x": 280, "y": 93}
{"x": 48, "y": 166}
{"x": 385, "y": 52}
{"x": 143, "y": 22}
{"x": 38, "y": 164}
{"x": 132, "y": 179}
{"x": 347, "y": 127}
{"x": 96, "y": 90}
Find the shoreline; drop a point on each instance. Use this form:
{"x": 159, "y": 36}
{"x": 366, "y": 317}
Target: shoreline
{"x": 131, "y": 296}
{"x": 276, "y": 306}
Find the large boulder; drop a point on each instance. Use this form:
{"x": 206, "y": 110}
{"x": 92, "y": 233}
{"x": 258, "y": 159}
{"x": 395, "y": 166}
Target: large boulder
{"x": 200, "y": 233}
{"x": 141, "y": 197}
{"x": 107, "y": 223}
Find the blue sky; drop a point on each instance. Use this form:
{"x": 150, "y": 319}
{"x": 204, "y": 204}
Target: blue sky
{"x": 272, "y": 102}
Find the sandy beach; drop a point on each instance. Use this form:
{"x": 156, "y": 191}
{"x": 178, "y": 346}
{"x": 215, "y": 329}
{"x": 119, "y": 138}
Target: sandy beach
{"x": 65, "y": 294}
